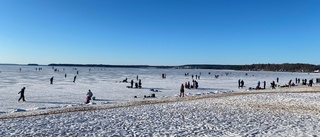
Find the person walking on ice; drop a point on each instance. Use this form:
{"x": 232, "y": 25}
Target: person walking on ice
{"x": 22, "y": 94}
{"x": 182, "y": 91}
{"x": 51, "y": 80}
{"x": 74, "y": 79}
{"x": 131, "y": 83}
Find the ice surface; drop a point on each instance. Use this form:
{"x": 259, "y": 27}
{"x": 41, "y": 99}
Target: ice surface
{"x": 217, "y": 108}
{"x": 106, "y": 85}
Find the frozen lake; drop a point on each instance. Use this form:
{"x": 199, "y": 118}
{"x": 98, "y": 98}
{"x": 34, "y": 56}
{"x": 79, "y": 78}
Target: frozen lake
{"x": 107, "y": 88}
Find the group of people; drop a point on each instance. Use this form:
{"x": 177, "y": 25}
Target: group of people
{"x": 187, "y": 85}
{"x": 132, "y": 83}
{"x": 273, "y": 84}
{"x": 193, "y": 76}
{"x": 264, "y": 85}
{"x": 240, "y": 83}
{"x": 197, "y": 76}
{"x": 88, "y": 98}
{"x": 21, "y": 92}
{"x": 194, "y": 84}
{"x": 74, "y": 79}
{"x": 304, "y": 82}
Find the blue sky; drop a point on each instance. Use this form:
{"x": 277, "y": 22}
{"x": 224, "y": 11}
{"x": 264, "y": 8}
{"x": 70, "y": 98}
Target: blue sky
{"x": 159, "y": 32}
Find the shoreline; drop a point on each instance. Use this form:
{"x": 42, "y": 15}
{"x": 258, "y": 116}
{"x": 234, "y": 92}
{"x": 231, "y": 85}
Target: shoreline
{"x": 153, "y": 101}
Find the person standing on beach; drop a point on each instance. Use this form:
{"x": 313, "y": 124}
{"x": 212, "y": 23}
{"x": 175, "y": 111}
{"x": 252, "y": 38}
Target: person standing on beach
{"x": 22, "y": 94}
{"x": 239, "y": 83}
{"x": 51, "y": 80}
{"x": 264, "y": 84}
{"x": 182, "y": 91}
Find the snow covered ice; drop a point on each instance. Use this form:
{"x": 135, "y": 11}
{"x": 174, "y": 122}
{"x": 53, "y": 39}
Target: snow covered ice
{"x": 287, "y": 113}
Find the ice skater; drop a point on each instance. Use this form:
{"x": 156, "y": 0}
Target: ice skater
{"x": 182, "y": 91}
{"x": 51, "y": 80}
{"x": 22, "y": 94}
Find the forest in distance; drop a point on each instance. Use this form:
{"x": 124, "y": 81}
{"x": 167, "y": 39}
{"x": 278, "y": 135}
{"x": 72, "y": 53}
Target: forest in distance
{"x": 286, "y": 67}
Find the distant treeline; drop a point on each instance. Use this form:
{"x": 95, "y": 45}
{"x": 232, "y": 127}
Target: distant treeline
{"x": 196, "y": 66}
{"x": 259, "y": 67}
{"x": 110, "y": 66}
{"x": 254, "y": 67}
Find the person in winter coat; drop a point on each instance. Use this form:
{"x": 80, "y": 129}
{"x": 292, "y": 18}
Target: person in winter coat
{"x": 182, "y": 91}
{"x": 22, "y": 94}
{"x": 89, "y": 96}
{"x": 51, "y": 80}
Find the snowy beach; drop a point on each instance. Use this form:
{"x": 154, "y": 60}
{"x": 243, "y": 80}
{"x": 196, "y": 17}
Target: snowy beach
{"x": 217, "y": 108}
{"x": 241, "y": 114}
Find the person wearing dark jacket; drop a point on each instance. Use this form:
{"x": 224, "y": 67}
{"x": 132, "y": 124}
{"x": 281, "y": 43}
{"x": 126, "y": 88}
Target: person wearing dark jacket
{"x": 131, "y": 83}
{"x": 51, "y": 80}
{"x": 182, "y": 91}
{"x": 22, "y": 94}
{"x": 74, "y": 79}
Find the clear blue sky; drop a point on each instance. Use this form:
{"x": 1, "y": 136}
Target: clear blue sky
{"x": 160, "y": 32}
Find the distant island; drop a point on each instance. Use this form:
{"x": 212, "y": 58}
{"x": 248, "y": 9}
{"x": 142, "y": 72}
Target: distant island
{"x": 33, "y": 64}
{"x": 286, "y": 67}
